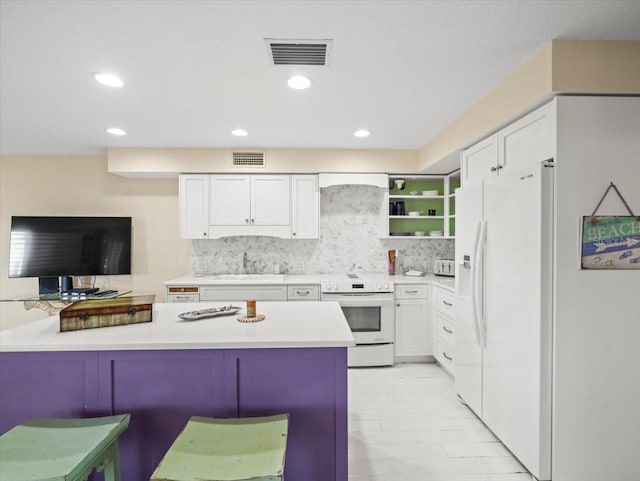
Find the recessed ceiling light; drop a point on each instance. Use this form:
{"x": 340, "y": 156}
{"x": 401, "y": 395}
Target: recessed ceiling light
{"x": 240, "y": 132}
{"x": 115, "y": 131}
{"x": 362, "y": 133}
{"x": 299, "y": 82}
{"x": 108, "y": 79}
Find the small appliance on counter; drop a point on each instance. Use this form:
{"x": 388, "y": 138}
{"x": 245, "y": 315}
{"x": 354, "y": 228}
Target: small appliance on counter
{"x": 443, "y": 267}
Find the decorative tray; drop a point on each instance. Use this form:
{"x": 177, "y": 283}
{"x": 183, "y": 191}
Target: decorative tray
{"x": 206, "y": 313}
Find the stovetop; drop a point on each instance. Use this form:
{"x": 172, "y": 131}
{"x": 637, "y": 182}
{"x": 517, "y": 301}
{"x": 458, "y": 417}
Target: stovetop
{"x": 348, "y": 283}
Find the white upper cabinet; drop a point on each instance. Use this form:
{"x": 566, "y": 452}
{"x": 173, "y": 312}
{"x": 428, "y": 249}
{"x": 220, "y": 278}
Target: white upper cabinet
{"x": 528, "y": 140}
{"x": 270, "y": 200}
{"x": 222, "y": 205}
{"x": 480, "y": 161}
{"x": 305, "y": 207}
{"x": 230, "y": 200}
{"x": 194, "y": 206}
{"x": 523, "y": 142}
{"x": 250, "y": 205}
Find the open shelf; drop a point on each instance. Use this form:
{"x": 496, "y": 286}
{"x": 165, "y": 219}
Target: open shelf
{"x": 425, "y": 197}
{"x": 443, "y": 203}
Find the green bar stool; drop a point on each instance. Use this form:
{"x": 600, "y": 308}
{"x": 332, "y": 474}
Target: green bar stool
{"x": 43, "y": 449}
{"x": 234, "y": 449}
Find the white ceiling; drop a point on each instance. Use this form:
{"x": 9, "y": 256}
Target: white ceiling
{"x": 195, "y": 70}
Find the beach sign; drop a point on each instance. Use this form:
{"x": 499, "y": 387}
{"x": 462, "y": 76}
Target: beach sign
{"x": 610, "y": 242}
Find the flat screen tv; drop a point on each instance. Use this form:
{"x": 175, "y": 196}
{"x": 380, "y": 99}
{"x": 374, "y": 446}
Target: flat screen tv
{"x": 69, "y": 246}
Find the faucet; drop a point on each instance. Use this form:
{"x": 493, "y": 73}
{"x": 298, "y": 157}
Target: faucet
{"x": 247, "y": 266}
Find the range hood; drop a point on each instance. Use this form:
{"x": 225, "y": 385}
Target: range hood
{"x": 330, "y": 179}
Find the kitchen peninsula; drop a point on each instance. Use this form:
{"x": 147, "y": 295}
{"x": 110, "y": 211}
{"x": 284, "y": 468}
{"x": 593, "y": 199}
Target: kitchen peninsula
{"x": 166, "y": 371}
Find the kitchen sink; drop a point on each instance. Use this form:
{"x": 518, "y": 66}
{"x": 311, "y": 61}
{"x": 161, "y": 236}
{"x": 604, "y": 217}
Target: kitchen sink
{"x": 247, "y": 277}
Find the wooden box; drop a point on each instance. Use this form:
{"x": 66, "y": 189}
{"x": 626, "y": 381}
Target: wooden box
{"x": 118, "y": 311}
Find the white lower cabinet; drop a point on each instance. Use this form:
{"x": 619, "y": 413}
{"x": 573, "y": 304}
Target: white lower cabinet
{"x": 443, "y": 315}
{"x": 240, "y": 293}
{"x": 413, "y": 340}
{"x": 183, "y": 294}
{"x": 303, "y": 293}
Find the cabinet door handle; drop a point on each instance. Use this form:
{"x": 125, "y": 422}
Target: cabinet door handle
{"x": 496, "y": 168}
{"x": 447, "y": 357}
{"x": 204, "y": 234}
{"x": 447, "y": 304}
{"x": 246, "y": 221}
{"x": 398, "y": 305}
{"x": 293, "y": 233}
{"x": 253, "y": 220}
{"x": 448, "y": 331}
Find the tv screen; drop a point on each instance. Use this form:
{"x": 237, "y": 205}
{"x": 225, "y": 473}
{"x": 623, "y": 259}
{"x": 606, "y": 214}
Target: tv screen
{"x": 69, "y": 246}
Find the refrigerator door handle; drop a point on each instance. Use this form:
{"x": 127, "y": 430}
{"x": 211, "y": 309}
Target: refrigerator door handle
{"x": 478, "y": 288}
{"x": 473, "y": 275}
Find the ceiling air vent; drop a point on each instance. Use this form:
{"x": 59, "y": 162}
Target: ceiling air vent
{"x": 299, "y": 52}
{"x": 248, "y": 159}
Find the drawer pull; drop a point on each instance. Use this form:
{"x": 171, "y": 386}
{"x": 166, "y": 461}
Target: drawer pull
{"x": 448, "y": 331}
{"x": 448, "y": 304}
{"x": 303, "y": 293}
{"x": 415, "y": 291}
{"x": 447, "y": 357}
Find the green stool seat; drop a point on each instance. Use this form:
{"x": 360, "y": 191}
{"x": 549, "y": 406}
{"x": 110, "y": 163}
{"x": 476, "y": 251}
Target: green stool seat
{"x": 62, "y": 449}
{"x": 235, "y": 449}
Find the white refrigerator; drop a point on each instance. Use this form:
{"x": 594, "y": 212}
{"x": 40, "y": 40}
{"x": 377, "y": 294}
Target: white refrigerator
{"x": 548, "y": 353}
{"x": 504, "y": 277}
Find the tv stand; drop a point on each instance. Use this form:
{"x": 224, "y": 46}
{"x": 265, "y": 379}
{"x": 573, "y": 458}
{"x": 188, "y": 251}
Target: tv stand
{"x": 54, "y": 285}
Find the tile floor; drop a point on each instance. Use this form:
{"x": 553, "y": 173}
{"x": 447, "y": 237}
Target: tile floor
{"x": 406, "y": 424}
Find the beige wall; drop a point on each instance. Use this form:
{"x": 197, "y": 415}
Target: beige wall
{"x": 169, "y": 161}
{"x": 582, "y": 67}
{"x": 82, "y": 186}
{"x": 561, "y": 67}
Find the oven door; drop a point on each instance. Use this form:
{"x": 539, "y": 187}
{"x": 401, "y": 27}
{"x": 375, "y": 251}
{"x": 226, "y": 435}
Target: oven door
{"x": 370, "y": 316}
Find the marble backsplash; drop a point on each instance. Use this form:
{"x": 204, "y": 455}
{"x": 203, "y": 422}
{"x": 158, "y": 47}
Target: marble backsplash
{"x": 351, "y": 218}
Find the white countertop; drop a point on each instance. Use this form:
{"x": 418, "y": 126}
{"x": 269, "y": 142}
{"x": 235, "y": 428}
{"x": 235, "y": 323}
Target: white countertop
{"x": 248, "y": 279}
{"x": 440, "y": 281}
{"x": 287, "y": 324}
{"x": 286, "y": 279}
